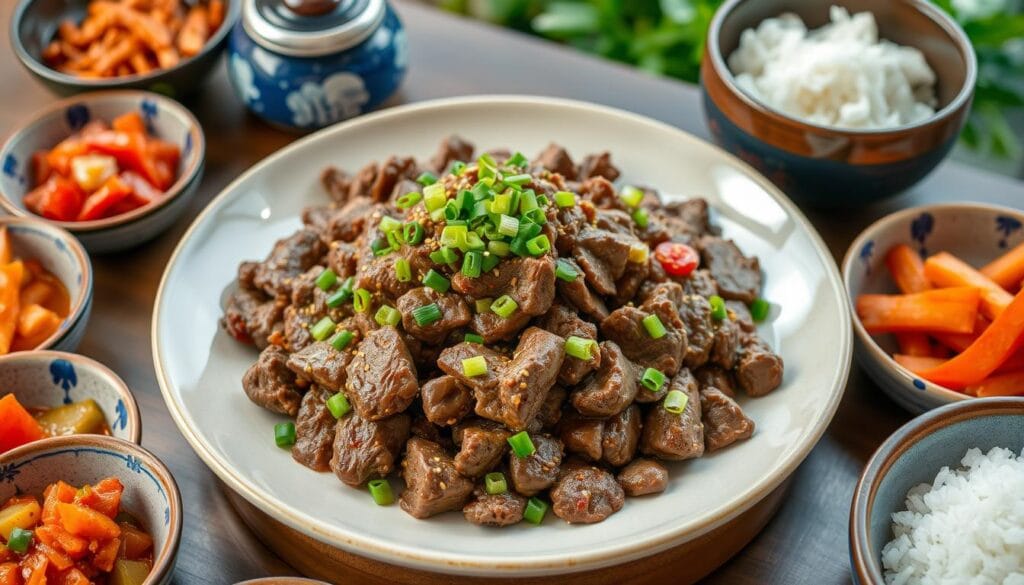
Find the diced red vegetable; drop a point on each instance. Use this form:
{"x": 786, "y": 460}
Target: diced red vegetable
{"x": 17, "y": 427}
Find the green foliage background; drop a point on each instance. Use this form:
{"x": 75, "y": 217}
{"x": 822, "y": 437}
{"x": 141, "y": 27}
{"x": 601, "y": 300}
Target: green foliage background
{"x": 666, "y": 37}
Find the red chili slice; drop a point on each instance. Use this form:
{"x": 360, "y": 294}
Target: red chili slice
{"x": 677, "y": 259}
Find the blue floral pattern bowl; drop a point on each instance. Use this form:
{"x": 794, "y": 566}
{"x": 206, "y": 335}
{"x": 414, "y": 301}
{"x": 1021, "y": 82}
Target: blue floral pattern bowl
{"x": 48, "y": 379}
{"x": 974, "y": 232}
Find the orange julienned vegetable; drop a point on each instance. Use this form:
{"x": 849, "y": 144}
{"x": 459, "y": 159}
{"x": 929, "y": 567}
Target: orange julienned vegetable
{"x": 915, "y": 344}
{"x": 917, "y": 364}
{"x": 907, "y": 270}
{"x": 17, "y": 427}
{"x": 1007, "y": 270}
{"x": 945, "y": 270}
{"x": 951, "y": 310}
{"x": 1005, "y": 384}
{"x": 961, "y": 341}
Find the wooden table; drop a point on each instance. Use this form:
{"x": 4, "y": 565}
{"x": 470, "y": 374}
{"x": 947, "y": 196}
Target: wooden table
{"x": 807, "y": 540}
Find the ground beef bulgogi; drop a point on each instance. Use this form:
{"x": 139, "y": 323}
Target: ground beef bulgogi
{"x": 511, "y": 336}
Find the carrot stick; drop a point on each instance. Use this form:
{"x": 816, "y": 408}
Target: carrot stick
{"x": 950, "y": 310}
{"x": 945, "y": 270}
{"x": 987, "y": 353}
{"x": 6, "y": 250}
{"x": 1007, "y": 270}
{"x": 915, "y": 344}
{"x": 1008, "y": 384}
{"x": 959, "y": 342}
{"x": 907, "y": 269}
{"x": 917, "y": 364}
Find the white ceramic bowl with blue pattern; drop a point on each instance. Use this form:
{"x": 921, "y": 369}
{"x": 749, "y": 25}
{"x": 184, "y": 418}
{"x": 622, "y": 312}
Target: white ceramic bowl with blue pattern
{"x": 65, "y": 258}
{"x": 48, "y": 379}
{"x": 150, "y": 492}
{"x": 974, "y": 232}
{"x": 165, "y": 118}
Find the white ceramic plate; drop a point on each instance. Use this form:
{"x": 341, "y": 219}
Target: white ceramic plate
{"x": 199, "y": 367}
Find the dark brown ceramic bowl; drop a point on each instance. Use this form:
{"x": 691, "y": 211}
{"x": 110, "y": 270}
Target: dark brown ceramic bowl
{"x": 830, "y": 167}
{"x": 914, "y": 454}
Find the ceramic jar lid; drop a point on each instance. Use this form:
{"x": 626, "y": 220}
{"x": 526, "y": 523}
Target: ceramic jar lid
{"x": 311, "y": 28}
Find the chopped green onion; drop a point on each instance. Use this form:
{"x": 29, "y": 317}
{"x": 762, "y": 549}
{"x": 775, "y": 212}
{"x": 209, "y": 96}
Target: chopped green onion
{"x": 361, "y": 300}
{"x": 655, "y": 328}
{"x": 388, "y": 224}
{"x": 521, "y": 444}
{"x": 638, "y": 253}
{"x": 478, "y": 210}
{"x": 342, "y": 295}
{"x": 483, "y": 305}
{"x": 537, "y": 216}
{"x": 535, "y": 511}
{"x": 408, "y": 200}
{"x": 437, "y": 215}
{"x": 436, "y": 281}
{"x": 474, "y": 366}
{"x": 323, "y": 329}
{"x": 508, "y": 226}
{"x": 472, "y": 263}
{"x": 473, "y": 338}
{"x": 380, "y": 490}
{"x": 395, "y": 239}
{"x": 718, "y": 312}
{"x": 490, "y": 261}
{"x": 565, "y": 199}
{"x": 486, "y": 167}
{"x": 513, "y": 201}
{"x": 759, "y": 309}
{"x": 448, "y": 255}
{"x": 341, "y": 339}
{"x": 675, "y": 401}
{"x": 380, "y": 247}
{"x": 403, "y": 272}
{"x": 580, "y": 347}
{"x": 565, "y": 271}
{"x": 498, "y": 248}
{"x": 453, "y": 235}
{"x": 527, "y": 201}
{"x": 527, "y": 231}
{"x": 504, "y": 306}
{"x": 517, "y": 180}
{"x": 426, "y": 314}
{"x": 631, "y": 196}
{"x": 640, "y": 217}
{"x": 495, "y": 484}
{"x": 19, "y": 541}
{"x": 542, "y": 200}
{"x": 284, "y": 434}
{"x": 457, "y": 167}
{"x": 434, "y": 196}
{"x": 539, "y": 245}
{"x": 426, "y": 178}
{"x": 386, "y": 316}
{"x": 451, "y": 210}
{"x": 464, "y": 200}
{"x": 326, "y": 279}
{"x": 517, "y": 160}
{"x": 338, "y": 405}
{"x": 481, "y": 191}
{"x": 412, "y": 233}
{"x": 652, "y": 379}
{"x": 501, "y": 203}
{"x": 473, "y": 242}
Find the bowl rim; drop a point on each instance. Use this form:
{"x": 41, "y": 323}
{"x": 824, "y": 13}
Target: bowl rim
{"x": 193, "y": 168}
{"x": 937, "y": 16}
{"x": 163, "y": 562}
{"x": 866, "y": 568}
{"x": 231, "y": 16}
{"x": 868, "y": 342}
{"x": 134, "y": 416}
{"x": 82, "y": 301}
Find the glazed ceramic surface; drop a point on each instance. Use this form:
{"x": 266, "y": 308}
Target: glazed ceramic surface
{"x": 309, "y": 93}
{"x": 63, "y": 256}
{"x": 164, "y": 117}
{"x": 200, "y": 367}
{"x": 48, "y": 379}
{"x": 35, "y": 22}
{"x": 150, "y": 493}
{"x": 913, "y": 455}
{"x": 975, "y": 232}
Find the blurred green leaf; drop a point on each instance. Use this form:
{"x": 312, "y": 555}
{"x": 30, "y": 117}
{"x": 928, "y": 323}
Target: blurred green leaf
{"x": 565, "y": 19}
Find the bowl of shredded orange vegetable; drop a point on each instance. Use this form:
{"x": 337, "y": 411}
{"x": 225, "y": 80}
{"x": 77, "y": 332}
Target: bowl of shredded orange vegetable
{"x": 939, "y": 303}
{"x": 84, "y": 510}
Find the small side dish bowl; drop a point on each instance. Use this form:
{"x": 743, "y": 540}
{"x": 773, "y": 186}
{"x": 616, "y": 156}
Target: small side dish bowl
{"x": 913, "y": 455}
{"x": 974, "y": 232}
{"x": 150, "y": 492}
{"x": 164, "y": 117}
{"x": 35, "y": 23}
{"x": 64, "y": 257}
{"x": 832, "y": 167}
{"x": 48, "y": 379}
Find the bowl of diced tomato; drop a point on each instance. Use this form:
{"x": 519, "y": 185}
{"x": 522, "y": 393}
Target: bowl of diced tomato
{"x": 939, "y": 303}
{"x": 115, "y": 168}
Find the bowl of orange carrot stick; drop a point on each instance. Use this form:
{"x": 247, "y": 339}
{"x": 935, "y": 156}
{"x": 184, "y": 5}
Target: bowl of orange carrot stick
{"x": 939, "y": 303}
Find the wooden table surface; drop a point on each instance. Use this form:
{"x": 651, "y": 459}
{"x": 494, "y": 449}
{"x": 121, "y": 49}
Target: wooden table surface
{"x": 806, "y": 543}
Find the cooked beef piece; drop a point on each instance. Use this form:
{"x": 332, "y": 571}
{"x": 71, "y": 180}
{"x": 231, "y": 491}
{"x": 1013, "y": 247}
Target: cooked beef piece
{"x": 377, "y": 273}
{"x": 758, "y": 369}
{"x": 556, "y": 159}
{"x": 579, "y": 295}
{"x": 563, "y": 322}
{"x": 290, "y": 257}
{"x": 693, "y": 213}
{"x": 321, "y": 363}
{"x": 581, "y": 435}
{"x": 603, "y": 256}
{"x": 482, "y": 445}
{"x": 432, "y": 483}
{"x": 616, "y": 221}
{"x": 337, "y": 183}
{"x": 424, "y": 429}
{"x": 601, "y": 193}
{"x": 717, "y": 376}
{"x": 675, "y": 436}
{"x": 524, "y": 384}
{"x": 403, "y": 187}
{"x": 317, "y": 217}
{"x": 270, "y": 384}
{"x": 625, "y": 327}
{"x": 612, "y": 388}
{"x": 348, "y": 222}
{"x": 727, "y": 343}
{"x": 724, "y": 421}
{"x": 494, "y": 328}
{"x": 629, "y": 283}
{"x": 585, "y": 494}
{"x": 362, "y": 181}
{"x": 389, "y": 174}
{"x": 314, "y": 430}
{"x": 296, "y": 328}
{"x": 498, "y": 510}
{"x": 598, "y": 165}
{"x": 450, "y": 363}
{"x": 642, "y": 477}
{"x": 672, "y": 291}
{"x": 366, "y": 449}
{"x": 343, "y": 259}
{"x": 740, "y": 313}
{"x": 699, "y": 283}
{"x": 738, "y": 276}
{"x": 566, "y": 223}
{"x": 451, "y": 149}
{"x": 529, "y": 281}
{"x": 621, "y": 435}
{"x": 306, "y": 295}
{"x": 445, "y": 400}
{"x": 381, "y": 376}
{"x": 251, "y": 317}
{"x": 551, "y": 411}
{"x": 695, "y": 312}
{"x": 539, "y": 471}
{"x": 454, "y": 314}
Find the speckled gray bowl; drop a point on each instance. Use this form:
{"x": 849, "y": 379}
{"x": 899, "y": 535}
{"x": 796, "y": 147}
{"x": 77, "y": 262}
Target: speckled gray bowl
{"x": 47, "y": 379}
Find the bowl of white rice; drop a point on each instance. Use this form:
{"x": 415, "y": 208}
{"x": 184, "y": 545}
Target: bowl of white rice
{"x": 941, "y": 502}
{"x": 839, "y": 102}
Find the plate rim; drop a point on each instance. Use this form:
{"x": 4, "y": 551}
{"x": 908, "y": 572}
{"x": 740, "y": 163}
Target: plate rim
{"x": 496, "y": 566}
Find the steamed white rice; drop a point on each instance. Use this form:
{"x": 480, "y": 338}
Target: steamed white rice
{"x": 966, "y": 528}
{"x": 839, "y": 75}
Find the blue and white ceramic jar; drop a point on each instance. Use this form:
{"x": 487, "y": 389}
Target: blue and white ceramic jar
{"x": 306, "y": 64}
